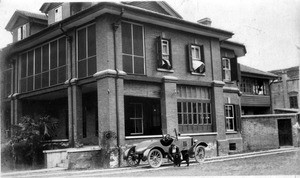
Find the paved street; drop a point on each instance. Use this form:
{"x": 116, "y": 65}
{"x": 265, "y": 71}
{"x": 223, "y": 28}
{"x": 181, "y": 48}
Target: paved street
{"x": 284, "y": 163}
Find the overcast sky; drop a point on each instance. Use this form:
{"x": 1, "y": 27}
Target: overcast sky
{"x": 270, "y": 29}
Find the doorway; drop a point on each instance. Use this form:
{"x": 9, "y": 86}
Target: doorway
{"x": 285, "y": 132}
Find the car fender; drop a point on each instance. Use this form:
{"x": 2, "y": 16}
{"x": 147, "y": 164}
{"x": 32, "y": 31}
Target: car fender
{"x": 145, "y": 154}
{"x": 193, "y": 148}
{"x": 127, "y": 152}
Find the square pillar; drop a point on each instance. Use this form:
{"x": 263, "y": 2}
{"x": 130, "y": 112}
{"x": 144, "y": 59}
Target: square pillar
{"x": 110, "y": 93}
{"x": 220, "y": 125}
{"x": 169, "y": 105}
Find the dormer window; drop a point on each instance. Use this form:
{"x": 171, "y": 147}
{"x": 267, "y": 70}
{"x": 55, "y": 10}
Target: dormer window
{"x": 22, "y": 32}
{"x": 58, "y": 14}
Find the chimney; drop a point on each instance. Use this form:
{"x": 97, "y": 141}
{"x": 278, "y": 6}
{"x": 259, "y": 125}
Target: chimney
{"x": 206, "y": 21}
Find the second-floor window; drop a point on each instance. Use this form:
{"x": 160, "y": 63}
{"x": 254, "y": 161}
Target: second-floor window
{"x": 22, "y": 32}
{"x": 254, "y": 86}
{"x": 133, "y": 48}
{"x": 226, "y": 69}
{"x": 196, "y": 58}
{"x": 44, "y": 66}
{"x": 164, "y": 53}
{"x": 86, "y": 53}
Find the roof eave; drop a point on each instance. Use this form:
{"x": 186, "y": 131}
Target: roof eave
{"x": 239, "y": 49}
{"x": 130, "y": 13}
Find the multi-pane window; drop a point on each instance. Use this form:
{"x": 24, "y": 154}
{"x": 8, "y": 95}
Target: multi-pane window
{"x": 44, "y": 66}
{"x": 194, "y": 109}
{"x": 22, "y": 32}
{"x": 86, "y": 55}
{"x": 293, "y": 102}
{"x": 226, "y": 69}
{"x": 196, "y": 58}
{"x": 230, "y": 119}
{"x": 136, "y": 118}
{"x": 133, "y": 48}
{"x": 164, "y": 53}
{"x": 254, "y": 86}
{"x": 194, "y": 113}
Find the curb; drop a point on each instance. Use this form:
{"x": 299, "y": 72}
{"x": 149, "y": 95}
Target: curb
{"x": 207, "y": 160}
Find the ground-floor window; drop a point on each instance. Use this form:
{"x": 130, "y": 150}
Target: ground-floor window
{"x": 142, "y": 116}
{"x": 232, "y": 117}
{"x": 230, "y": 120}
{"x": 194, "y": 116}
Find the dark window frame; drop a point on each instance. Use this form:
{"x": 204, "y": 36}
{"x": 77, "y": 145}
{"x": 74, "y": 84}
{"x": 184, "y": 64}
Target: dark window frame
{"x": 40, "y": 77}
{"x": 87, "y": 66}
{"x": 164, "y": 60}
{"x": 191, "y": 58}
{"x": 135, "y": 59}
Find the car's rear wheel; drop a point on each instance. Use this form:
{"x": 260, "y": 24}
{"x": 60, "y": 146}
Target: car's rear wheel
{"x": 155, "y": 158}
{"x": 132, "y": 158}
{"x": 199, "y": 154}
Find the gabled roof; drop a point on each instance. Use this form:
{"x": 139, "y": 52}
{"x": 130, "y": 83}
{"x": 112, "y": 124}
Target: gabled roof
{"x": 252, "y": 71}
{"x": 29, "y": 16}
{"x": 156, "y": 6}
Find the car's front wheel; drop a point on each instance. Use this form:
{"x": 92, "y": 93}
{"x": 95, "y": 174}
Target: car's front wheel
{"x": 199, "y": 154}
{"x": 155, "y": 158}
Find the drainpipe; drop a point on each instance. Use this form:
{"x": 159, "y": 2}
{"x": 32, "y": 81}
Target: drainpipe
{"x": 115, "y": 27}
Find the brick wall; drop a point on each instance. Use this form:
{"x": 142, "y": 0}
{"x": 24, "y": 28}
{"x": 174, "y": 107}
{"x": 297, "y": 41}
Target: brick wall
{"x": 260, "y": 132}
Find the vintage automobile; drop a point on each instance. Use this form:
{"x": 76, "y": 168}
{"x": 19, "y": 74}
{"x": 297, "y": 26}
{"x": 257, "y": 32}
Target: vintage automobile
{"x": 154, "y": 151}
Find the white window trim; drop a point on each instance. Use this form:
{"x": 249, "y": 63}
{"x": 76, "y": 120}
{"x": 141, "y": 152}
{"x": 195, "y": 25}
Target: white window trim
{"x": 227, "y": 69}
{"x": 229, "y": 118}
{"x": 165, "y": 43}
{"x": 193, "y": 47}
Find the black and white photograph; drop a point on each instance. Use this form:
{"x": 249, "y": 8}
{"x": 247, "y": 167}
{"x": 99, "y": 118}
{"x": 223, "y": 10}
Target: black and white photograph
{"x": 174, "y": 88}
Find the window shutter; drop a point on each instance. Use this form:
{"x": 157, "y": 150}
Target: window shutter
{"x": 222, "y": 66}
{"x": 189, "y": 58}
{"x": 159, "y": 52}
{"x": 170, "y": 53}
{"x": 237, "y": 117}
{"x": 225, "y": 118}
{"x": 234, "y": 69}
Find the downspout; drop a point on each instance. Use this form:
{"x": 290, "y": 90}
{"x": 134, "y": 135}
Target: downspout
{"x": 270, "y": 91}
{"x": 115, "y": 27}
{"x": 69, "y": 82}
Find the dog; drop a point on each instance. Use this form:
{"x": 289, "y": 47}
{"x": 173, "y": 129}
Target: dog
{"x": 177, "y": 157}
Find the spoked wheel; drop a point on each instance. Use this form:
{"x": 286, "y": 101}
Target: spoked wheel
{"x": 132, "y": 159}
{"x": 155, "y": 158}
{"x": 199, "y": 154}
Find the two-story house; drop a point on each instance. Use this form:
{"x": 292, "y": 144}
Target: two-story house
{"x": 255, "y": 87}
{"x": 136, "y": 69}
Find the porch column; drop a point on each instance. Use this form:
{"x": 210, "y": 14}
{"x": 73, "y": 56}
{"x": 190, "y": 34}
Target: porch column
{"x": 220, "y": 125}
{"x": 76, "y": 97}
{"x": 110, "y": 106}
{"x": 169, "y": 105}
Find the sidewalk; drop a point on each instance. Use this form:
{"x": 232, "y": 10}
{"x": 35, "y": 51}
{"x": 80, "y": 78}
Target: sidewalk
{"x": 144, "y": 165}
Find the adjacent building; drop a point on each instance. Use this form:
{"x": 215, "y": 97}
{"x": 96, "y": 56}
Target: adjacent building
{"x": 135, "y": 69}
{"x": 285, "y": 90}
{"x": 255, "y": 87}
